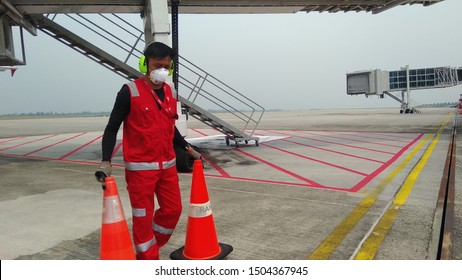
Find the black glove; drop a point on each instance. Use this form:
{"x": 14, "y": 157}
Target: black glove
{"x": 104, "y": 170}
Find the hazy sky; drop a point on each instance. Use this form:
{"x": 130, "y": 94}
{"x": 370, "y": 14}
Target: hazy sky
{"x": 281, "y": 61}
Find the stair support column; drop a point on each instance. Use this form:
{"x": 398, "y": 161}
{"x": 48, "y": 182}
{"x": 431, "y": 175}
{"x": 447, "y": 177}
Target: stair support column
{"x": 156, "y": 22}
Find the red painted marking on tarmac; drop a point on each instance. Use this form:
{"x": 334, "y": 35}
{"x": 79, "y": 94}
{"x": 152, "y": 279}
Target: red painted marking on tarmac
{"x": 11, "y": 139}
{"x": 224, "y": 175}
{"x": 55, "y": 144}
{"x": 312, "y": 183}
{"x": 63, "y": 160}
{"x": 363, "y": 182}
{"x": 346, "y": 138}
{"x": 335, "y": 152}
{"x": 379, "y": 170}
{"x": 317, "y": 160}
{"x": 217, "y": 167}
{"x": 79, "y": 148}
{"x": 200, "y": 132}
{"x": 280, "y": 183}
{"x": 401, "y": 135}
{"x": 25, "y": 143}
{"x": 335, "y": 143}
{"x": 383, "y": 137}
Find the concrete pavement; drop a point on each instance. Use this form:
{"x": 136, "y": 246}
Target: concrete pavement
{"x": 280, "y": 200}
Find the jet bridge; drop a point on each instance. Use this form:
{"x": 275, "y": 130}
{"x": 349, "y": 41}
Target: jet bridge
{"x": 381, "y": 83}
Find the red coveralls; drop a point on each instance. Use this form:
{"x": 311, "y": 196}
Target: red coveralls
{"x": 150, "y": 167}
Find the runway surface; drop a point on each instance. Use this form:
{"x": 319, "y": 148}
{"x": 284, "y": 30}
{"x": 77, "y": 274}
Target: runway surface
{"x": 317, "y": 189}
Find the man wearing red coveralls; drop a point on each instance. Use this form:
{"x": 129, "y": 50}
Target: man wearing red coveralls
{"x": 147, "y": 108}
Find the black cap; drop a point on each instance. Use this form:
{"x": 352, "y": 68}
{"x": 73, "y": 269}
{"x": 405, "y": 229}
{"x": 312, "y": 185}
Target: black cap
{"x": 159, "y": 50}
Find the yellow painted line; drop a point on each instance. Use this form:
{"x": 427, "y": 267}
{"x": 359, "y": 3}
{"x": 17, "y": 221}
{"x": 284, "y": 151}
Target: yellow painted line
{"x": 373, "y": 242}
{"x": 329, "y": 244}
{"x": 325, "y": 249}
{"x": 371, "y": 245}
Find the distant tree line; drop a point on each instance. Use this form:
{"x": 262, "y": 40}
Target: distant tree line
{"x": 439, "y": 105}
{"x": 57, "y": 114}
{"x": 104, "y": 114}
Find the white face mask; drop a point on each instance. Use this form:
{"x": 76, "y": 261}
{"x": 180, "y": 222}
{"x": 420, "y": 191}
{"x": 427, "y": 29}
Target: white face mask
{"x": 158, "y": 76}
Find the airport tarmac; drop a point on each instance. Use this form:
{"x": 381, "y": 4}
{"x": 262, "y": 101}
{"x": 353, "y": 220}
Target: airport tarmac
{"x": 321, "y": 188}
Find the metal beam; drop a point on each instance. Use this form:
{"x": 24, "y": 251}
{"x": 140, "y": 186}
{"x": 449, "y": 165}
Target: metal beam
{"x": 16, "y": 16}
{"x": 389, "y": 5}
{"x": 213, "y": 6}
{"x": 11, "y": 8}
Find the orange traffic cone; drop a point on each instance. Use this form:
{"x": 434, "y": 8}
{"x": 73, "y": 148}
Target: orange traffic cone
{"x": 201, "y": 237}
{"x": 115, "y": 242}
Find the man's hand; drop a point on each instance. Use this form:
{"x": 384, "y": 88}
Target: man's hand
{"x": 104, "y": 170}
{"x": 193, "y": 153}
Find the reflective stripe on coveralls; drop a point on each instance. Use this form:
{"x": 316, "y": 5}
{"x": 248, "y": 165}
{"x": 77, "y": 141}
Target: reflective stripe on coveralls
{"x": 143, "y": 166}
{"x": 161, "y": 229}
{"x": 143, "y": 247}
{"x": 133, "y": 89}
{"x": 139, "y": 212}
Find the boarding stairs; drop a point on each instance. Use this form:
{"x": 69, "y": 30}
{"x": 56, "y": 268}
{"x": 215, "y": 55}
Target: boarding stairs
{"x": 197, "y": 88}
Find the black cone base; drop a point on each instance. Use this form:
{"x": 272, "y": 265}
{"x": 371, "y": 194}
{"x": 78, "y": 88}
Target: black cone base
{"x": 225, "y": 251}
